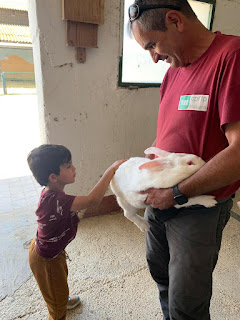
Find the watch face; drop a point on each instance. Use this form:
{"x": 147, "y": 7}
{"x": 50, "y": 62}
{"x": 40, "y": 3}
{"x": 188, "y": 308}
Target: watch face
{"x": 181, "y": 199}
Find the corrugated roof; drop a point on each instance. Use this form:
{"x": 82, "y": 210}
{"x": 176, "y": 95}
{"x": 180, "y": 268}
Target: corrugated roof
{"x": 14, "y": 33}
{"x": 14, "y": 4}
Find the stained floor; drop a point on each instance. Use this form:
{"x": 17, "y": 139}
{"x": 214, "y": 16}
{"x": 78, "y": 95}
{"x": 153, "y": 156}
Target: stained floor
{"x": 108, "y": 270}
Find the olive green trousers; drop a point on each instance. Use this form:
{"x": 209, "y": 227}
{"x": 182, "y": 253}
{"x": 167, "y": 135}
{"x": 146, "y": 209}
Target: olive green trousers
{"x": 51, "y": 276}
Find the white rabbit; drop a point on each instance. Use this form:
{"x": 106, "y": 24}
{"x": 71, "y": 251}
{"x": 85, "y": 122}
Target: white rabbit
{"x": 139, "y": 174}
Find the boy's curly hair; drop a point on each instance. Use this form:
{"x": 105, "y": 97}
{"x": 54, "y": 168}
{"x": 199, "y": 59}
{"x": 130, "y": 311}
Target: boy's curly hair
{"x": 47, "y": 159}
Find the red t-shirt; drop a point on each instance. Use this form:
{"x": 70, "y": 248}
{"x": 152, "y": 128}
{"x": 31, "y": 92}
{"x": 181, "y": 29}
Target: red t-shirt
{"x": 57, "y": 225}
{"x": 197, "y": 100}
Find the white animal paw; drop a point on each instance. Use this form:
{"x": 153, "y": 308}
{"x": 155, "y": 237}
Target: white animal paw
{"x": 143, "y": 225}
{"x": 209, "y": 201}
{"x": 206, "y": 201}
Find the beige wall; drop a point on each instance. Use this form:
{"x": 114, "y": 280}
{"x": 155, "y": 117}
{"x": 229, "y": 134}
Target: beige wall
{"x": 83, "y": 107}
{"x": 80, "y": 104}
{"x": 227, "y": 17}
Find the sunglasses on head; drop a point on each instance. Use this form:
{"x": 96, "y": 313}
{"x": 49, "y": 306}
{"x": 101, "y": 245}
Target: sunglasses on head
{"x": 135, "y": 10}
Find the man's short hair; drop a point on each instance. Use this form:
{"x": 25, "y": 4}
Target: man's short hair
{"x": 154, "y": 19}
{"x": 47, "y": 159}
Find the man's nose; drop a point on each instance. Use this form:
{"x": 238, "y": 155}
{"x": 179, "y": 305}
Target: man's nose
{"x": 154, "y": 56}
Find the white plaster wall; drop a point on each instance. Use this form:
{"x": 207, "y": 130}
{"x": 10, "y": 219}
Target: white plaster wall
{"x": 227, "y": 17}
{"x": 81, "y": 106}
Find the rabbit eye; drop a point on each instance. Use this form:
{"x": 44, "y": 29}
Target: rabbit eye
{"x": 190, "y": 163}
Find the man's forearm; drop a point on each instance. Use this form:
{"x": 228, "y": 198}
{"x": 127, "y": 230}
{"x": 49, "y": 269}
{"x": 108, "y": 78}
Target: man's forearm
{"x": 220, "y": 171}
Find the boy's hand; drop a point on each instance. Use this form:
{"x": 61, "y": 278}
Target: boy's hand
{"x": 117, "y": 164}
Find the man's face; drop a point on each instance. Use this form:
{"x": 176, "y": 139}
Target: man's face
{"x": 163, "y": 46}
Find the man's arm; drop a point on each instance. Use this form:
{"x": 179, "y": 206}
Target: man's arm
{"x": 96, "y": 195}
{"x": 220, "y": 171}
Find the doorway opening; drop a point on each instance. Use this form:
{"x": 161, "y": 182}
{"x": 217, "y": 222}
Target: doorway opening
{"x": 19, "y": 120}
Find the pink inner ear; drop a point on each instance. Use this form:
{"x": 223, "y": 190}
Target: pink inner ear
{"x": 152, "y": 165}
{"x": 190, "y": 163}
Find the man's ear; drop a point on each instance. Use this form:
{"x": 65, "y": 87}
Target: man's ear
{"x": 52, "y": 178}
{"x": 176, "y": 19}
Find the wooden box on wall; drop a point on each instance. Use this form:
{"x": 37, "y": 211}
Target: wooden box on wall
{"x": 82, "y": 34}
{"x": 89, "y": 11}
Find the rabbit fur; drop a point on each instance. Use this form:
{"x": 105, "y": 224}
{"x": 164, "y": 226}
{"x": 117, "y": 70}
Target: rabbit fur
{"x": 139, "y": 174}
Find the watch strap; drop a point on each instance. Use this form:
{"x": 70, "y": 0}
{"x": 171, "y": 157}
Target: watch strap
{"x": 178, "y": 196}
{"x": 176, "y": 191}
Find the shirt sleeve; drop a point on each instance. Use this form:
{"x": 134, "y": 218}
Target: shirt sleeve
{"x": 64, "y": 203}
{"x": 228, "y": 100}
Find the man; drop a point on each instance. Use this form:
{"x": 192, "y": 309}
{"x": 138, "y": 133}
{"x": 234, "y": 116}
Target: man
{"x": 200, "y": 114}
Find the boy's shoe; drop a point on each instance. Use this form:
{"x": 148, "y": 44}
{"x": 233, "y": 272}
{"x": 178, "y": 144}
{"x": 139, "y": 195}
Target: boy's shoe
{"x": 73, "y": 301}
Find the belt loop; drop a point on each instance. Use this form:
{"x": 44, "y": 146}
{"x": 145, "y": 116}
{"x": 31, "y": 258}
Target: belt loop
{"x": 225, "y": 199}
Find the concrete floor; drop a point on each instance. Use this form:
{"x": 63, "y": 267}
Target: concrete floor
{"x": 108, "y": 270}
{"x": 18, "y": 192}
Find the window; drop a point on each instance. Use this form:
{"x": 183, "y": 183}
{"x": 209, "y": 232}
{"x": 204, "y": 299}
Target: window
{"x": 136, "y": 68}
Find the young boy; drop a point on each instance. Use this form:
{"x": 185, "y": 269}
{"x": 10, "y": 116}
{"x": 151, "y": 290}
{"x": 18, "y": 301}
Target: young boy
{"x": 57, "y": 221}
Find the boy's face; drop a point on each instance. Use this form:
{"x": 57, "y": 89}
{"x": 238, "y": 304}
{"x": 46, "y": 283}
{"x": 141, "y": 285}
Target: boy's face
{"x": 67, "y": 173}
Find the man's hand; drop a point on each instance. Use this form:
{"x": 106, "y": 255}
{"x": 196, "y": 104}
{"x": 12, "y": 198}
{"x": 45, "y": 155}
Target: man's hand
{"x": 159, "y": 198}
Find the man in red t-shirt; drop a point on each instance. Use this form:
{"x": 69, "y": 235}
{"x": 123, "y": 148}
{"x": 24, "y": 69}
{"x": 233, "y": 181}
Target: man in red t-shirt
{"x": 199, "y": 113}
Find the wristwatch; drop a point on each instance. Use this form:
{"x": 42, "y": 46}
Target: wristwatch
{"x": 178, "y": 196}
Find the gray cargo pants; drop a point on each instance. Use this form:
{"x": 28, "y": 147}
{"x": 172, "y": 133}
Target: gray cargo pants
{"x": 182, "y": 251}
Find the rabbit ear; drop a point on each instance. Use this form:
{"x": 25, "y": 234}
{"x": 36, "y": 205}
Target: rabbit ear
{"x": 155, "y": 165}
{"x": 158, "y": 152}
